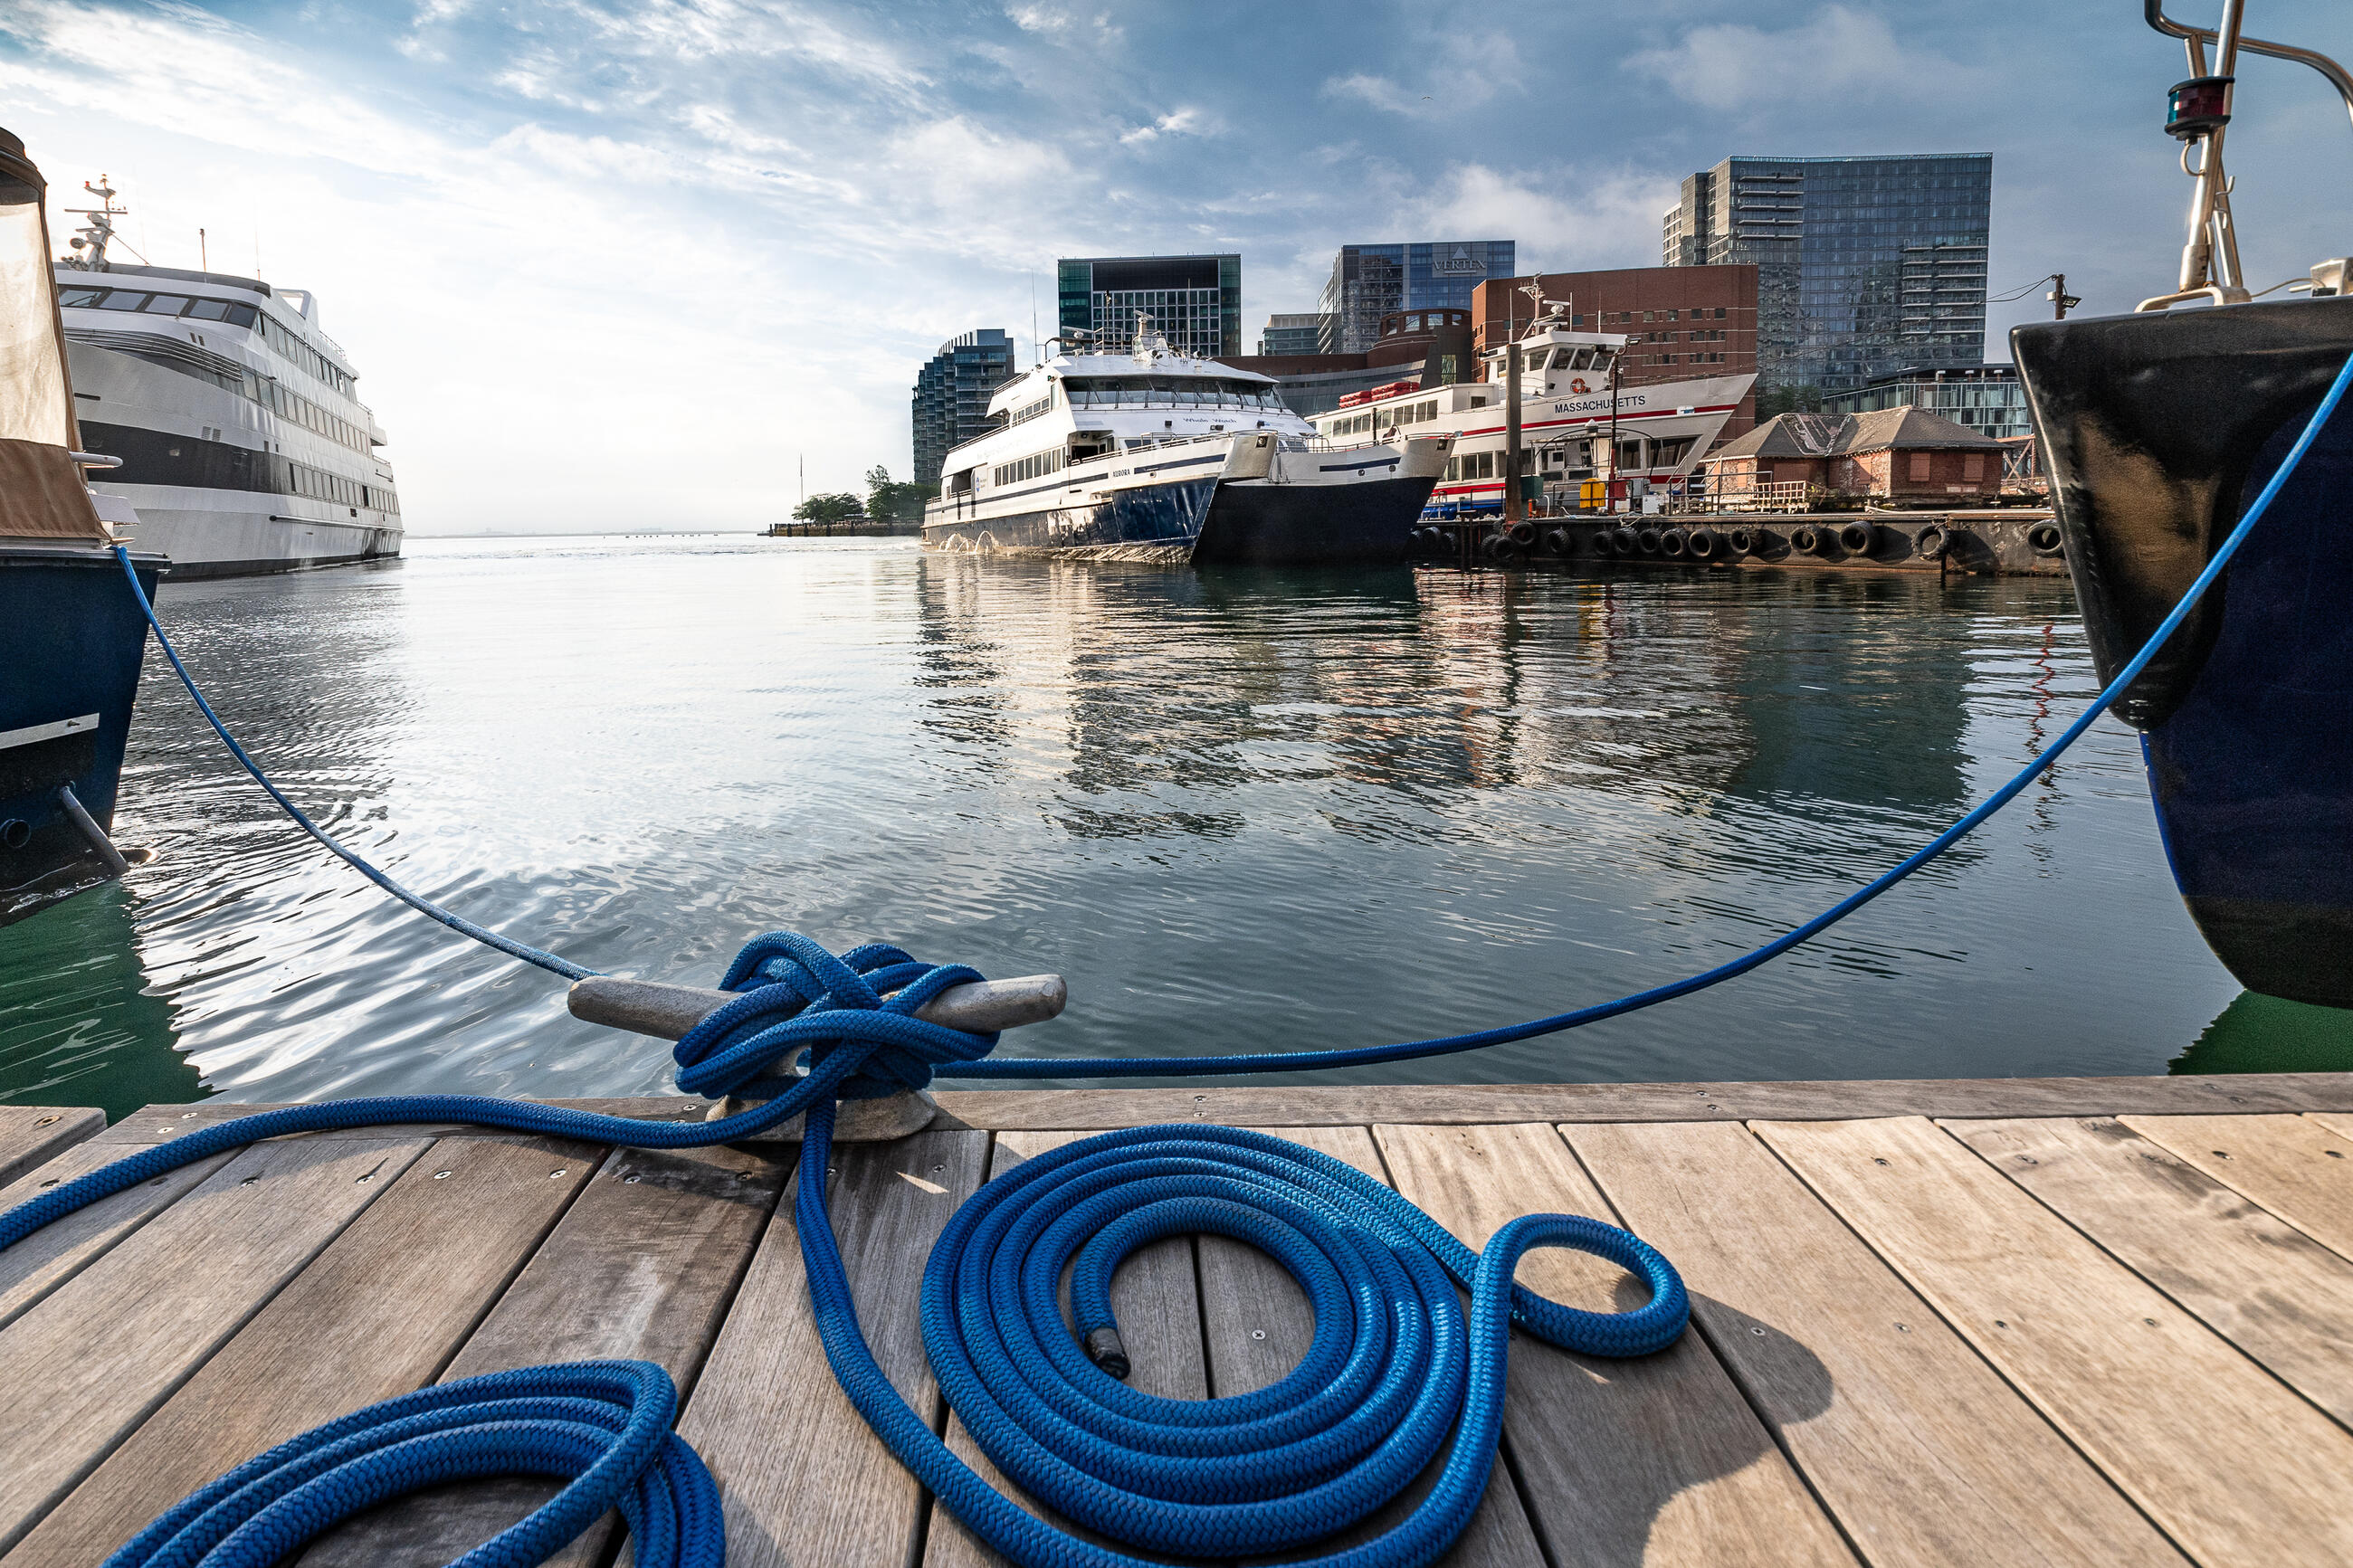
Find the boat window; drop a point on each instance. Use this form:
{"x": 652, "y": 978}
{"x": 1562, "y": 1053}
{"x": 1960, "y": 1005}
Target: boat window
{"x": 165, "y": 304}
{"x": 121, "y": 300}
{"x": 208, "y": 309}
{"x": 81, "y": 299}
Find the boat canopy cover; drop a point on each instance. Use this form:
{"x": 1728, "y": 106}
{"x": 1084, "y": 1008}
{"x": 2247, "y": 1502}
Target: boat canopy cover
{"x": 42, "y": 495}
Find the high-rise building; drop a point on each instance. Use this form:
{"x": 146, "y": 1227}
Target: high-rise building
{"x": 952, "y": 393}
{"x": 1370, "y": 281}
{"x": 1300, "y": 335}
{"x": 1195, "y": 302}
{"x": 1865, "y": 264}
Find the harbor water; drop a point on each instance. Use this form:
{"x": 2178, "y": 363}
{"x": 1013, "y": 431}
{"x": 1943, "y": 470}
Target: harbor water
{"x": 1240, "y": 810}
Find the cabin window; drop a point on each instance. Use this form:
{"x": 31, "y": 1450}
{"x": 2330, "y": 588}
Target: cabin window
{"x": 81, "y": 299}
{"x": 121, "y": 300}
{"x": 165, "y": 304}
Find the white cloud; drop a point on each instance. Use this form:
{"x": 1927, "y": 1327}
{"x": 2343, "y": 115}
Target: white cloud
{"x": 1563, "y": 220}
{"x": 1178, "y": 122}
{"x": 1730, "y": 64}
{"x": 1380, "y": 92}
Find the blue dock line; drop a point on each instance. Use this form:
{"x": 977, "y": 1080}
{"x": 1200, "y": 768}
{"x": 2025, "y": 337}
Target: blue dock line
{"x": 1394, "y": 1366}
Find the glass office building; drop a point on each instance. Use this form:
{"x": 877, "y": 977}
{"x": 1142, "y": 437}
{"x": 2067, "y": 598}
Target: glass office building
{"x": 1292, "y": 334}
{"x": 1987, "y": 398}
{"x": 1865, "y": 265}
{"x": 1195, "y": 302}
{"x": 952, "y": 393}
{"x": 1369, "y": 281}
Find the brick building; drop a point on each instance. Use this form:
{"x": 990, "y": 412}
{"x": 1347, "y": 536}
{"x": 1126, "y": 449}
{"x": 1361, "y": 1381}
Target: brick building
{"x": 1680, "y": 321}
{"x": 1895, "y": 454}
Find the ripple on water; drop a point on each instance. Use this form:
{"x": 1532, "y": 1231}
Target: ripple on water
{"x": 1240, "y": 810}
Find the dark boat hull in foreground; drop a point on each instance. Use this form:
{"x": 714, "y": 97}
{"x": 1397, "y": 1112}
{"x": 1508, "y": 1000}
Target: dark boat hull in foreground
{"x": 72, "y": 639}
{"x": 2158, "y": 430}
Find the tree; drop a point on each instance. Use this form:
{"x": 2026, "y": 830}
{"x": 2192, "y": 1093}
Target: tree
{"x": 834, "y": 506}
{"x": 898, "y": 503}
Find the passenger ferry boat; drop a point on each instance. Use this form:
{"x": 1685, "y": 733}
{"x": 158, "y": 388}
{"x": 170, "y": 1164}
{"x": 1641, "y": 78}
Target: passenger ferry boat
{"x": 1576, "y": 424}
{"x": 1160, "y": 455}
{"x": 242, "y": 446}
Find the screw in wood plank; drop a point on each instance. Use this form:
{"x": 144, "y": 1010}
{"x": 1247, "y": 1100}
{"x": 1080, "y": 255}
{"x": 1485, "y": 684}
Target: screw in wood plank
{"x": 1258, "y": 1334}
{"x": 249, "y": 1181}
{"x": 51, "y": 1182}
{"x": 1903, "y": 1328}
{"x": 628, "y": 1181}
{"x": 2332, "y": 1153}
{"x": 1879, "y": 1162}
{"x": 2151, "y": 1321}
{"x": 1999, "y": 1325}
{"x": 553, "y": 1174}
{"x": 440, "y": 1175}
{"x": 1757, "y": 1332}
{"x": 2219, "y": 1155}
{"x": 44, "y": 1120}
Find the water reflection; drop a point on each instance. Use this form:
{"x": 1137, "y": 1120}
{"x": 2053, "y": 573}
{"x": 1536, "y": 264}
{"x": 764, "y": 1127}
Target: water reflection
{"x": 2269, "y": 1033}
{"x": 1240, "y": 810}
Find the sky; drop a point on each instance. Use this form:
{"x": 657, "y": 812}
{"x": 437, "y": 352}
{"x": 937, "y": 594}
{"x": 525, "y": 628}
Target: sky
{"x": 635, "y": 264}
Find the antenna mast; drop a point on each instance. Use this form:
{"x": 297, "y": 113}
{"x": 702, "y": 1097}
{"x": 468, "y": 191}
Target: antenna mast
{"x": 89, "y": 245}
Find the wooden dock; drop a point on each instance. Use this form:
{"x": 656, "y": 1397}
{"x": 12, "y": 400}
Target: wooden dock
{"x": 2025, "y": 1322}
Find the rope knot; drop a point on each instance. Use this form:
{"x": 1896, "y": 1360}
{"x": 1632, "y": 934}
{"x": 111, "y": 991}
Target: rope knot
{"x": 850, "y": 1015}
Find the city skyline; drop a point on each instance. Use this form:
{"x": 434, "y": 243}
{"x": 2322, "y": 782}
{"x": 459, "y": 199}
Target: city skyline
{"x": 742, "y": 227}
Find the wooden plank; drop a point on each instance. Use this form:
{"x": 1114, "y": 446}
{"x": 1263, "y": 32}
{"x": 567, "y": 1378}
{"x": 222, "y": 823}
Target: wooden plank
{"x": 2230, "y": 1463}
{"x": 33, "y": 1135}
{"x": 1920, "y": 1450}
{"x": 640, "y": 1268}
{"x": 1157, "y": 1299}
{"x": 1251, "y": 1104}
{"x": 1651, "y": 1461}
{"x": 2251, "y": 1277}
{"x": 87, "y": 1365}
{"x": 375, "y": 1315}
{"x": 805, "y": 1483}
{"x": 158, "y": 1123}
{"x": 1257, "y": 1326}
{"x": 56, "y": 1253}
{"x": 2298, "y": 1167}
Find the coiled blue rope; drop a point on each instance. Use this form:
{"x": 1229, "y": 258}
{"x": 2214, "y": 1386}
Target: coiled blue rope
{"x": 1393, "y": 1369}
{"x": 1394, "y": 1366}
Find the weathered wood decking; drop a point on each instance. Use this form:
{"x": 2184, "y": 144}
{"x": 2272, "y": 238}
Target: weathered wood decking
{"x": 2007, "y": 1321}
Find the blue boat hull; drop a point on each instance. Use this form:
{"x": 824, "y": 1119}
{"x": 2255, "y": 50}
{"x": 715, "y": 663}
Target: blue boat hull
{"x": 2159, "y": 432}
{"x": 1164, "y": 516}
{"x": 71, "y": 640}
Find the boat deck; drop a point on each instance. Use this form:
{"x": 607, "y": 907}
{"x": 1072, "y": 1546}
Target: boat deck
{"x": 2089, "y": 1320}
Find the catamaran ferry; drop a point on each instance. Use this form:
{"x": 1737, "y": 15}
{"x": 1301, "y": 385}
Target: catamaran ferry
{"x": 1157, "y": 454}
{"x": 1576, "y": 424}
{"x": 240, "y": 443}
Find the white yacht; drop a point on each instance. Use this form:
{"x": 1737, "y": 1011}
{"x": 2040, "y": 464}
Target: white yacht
{"x": 1576, "y": 422}
{"x": 240, "y": 443}
{"x": 1156, "y": 453}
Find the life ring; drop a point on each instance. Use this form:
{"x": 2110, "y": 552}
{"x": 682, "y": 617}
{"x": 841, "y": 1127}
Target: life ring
{"x": 1577, "y": 385}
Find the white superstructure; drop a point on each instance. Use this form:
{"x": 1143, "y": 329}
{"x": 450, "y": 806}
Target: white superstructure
{"x": 1157, "y": 449}
{"x": 1576, "y": 422}
{"x": 243, "y": 447}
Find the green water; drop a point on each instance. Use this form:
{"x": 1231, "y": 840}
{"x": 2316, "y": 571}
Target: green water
{"x": 1240, "y": 810}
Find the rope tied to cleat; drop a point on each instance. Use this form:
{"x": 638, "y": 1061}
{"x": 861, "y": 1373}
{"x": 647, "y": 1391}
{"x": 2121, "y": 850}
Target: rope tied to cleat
{"x": 1394, "y": 1366}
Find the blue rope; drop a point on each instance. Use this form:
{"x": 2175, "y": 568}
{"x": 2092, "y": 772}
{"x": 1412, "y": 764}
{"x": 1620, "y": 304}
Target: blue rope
{"x": 1393, "y": 1367}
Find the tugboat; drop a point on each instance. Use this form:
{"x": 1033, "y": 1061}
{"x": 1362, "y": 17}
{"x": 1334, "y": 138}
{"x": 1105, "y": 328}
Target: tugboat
{"x": 71, "y": 636}
{"x": 1158, "y": 456}
{"x": 2159, "y": 429}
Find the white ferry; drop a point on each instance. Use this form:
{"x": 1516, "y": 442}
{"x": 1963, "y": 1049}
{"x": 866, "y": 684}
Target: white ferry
{"x": 1157, "y": 454}
{"x": 1576, "y": 422}
{"x": 240, "y": 443}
